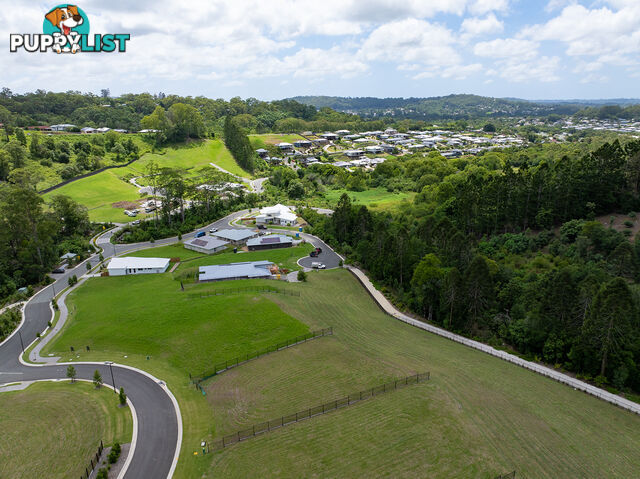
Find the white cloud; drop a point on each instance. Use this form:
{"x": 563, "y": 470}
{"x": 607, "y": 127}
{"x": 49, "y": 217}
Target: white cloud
{"x": 473, "y": 26}
{"x": 480, "y": 7}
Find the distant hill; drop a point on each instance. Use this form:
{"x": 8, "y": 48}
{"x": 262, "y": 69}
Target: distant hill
{"x": 452, "y": 106}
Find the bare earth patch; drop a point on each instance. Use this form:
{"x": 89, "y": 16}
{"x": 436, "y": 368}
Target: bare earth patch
{"x": 127, "y": 205}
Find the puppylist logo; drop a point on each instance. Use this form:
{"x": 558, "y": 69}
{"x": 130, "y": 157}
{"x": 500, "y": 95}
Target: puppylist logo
{"x": 66, "y": 30}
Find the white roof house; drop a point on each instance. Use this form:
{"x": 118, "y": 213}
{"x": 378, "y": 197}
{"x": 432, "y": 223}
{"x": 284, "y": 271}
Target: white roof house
{"x": 62, "y": 127}
{"x": 277, "y": 215}
{"x": 135, "y": 265}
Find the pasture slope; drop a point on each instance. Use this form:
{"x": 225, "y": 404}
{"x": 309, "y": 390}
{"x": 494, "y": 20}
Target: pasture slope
{"x": 99, "y": 192}
{"x": 478, "y": 416}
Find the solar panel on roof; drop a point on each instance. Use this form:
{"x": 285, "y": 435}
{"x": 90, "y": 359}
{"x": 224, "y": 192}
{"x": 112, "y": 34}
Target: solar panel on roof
{"x": 199, "y": 242}
{"x": 268, "y": 240}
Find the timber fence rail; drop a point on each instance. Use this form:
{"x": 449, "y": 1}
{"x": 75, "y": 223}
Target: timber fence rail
{"x": 509, "y": 475}
{"x": 232, "y": 363}
{"x": 94, "y": 461}
{"x": 246, "y": 289}
{"x": 388, "y": 308}
{"x": 282, "y": 421}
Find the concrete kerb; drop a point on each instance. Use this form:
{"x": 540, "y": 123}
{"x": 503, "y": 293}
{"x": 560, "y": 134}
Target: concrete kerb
{"x": 162, "y": 384}
{"x": 134, "y": 418}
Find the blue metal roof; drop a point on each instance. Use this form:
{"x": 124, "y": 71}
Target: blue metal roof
{"x": 234, "y": 235}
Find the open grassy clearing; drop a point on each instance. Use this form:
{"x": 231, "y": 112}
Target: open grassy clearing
{"x": 259, "y": 141}
{"x": 188, "y": 157}
{"x": 52, "y": 429}
{"x": 176, "y": 250}
{"x": 98, "y": 192}
{"x": 477, "y": 417}
{"x": 375, "y": 198}
{"x": 181, "y": 335}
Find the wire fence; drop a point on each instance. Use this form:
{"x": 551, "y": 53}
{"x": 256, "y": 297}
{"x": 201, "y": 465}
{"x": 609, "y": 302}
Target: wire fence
{"x": 95, "y": 460}
{"x": 282, "y": 421}
{"x": 246, "y": 289}
{"x": 232, "y": 363}
{"x": 508, "y": 475}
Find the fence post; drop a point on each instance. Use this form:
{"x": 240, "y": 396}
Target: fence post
{"x": 254, "y": 430}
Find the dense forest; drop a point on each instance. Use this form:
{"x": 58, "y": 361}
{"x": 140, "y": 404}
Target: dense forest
{"x": 438, "y": 108}
{"x": 128, "y": 110}
{"x": 513, "y": 256}
{"x": 33, "y": 236}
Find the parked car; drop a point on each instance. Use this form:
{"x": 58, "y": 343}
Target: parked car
{"x": 135, "y": 222}
{"x": 60, "y": 269}
{"x": 313, "y": 254}
{"x": 317, "y": 265}
{"x": 131, "y": 212}
{"x": 213, "y": 230}
{"x": 262, "y": 227}
{"x": 200, "y": 234}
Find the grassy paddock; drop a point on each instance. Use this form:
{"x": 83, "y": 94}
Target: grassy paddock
{"x": 52, "y": 429}
{"x": 259, "y": 141}
{"x": 477, "y": 417}
{"x": 156, "y": 327}
{"x": 375, "y": 198}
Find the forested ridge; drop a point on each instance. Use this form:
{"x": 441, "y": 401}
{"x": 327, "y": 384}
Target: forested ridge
{"x": 514, "y": 257}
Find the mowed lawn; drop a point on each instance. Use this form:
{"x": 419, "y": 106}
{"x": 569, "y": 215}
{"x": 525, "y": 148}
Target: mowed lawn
{"x": 176, "y": 250}
{"x": 149, "y": 315}
{"x": 98, "y": 192}
{"x": 53, "y": 429}
{"x": 477, "y": 417}
{"x": 375, "y": 198}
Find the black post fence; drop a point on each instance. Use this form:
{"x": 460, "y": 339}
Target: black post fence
{"x": 94, "y": 461}
{"x": 238, "y": 290}
{"x": 325, "y": 408}
{"x": 509, "y": 475}
{"x": 232, "y": 363}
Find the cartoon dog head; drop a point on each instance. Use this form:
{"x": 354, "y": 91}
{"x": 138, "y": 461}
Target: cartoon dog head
{"x": 65, "y": 18}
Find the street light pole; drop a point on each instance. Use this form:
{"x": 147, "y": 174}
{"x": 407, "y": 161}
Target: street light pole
{"x": 21, "y": 343}
{"x": 113, "y": 381}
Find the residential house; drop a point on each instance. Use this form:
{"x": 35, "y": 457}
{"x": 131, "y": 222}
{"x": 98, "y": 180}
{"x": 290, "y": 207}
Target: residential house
{"x": 277, "y": 215}
{"x": 134, "y": 265}
{"x": 269, "y": 242}
{"x": 235, "y": 237}
{"x": 245, "y": 270}
{"x": 62, "y": 127}
{"x": 206, "y": 244}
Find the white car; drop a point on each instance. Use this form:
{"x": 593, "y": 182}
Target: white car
{"x": 213, "y": 230}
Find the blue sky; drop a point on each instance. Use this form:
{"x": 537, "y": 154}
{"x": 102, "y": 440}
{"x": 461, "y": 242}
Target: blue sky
{"x": 269, "y": 49}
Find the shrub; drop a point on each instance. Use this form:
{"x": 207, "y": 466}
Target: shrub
{"x": 102, "y": 474}
{"x": 628, "y": 224}
{"x": 632, "y": 214}
{"x": 302, "y": 276}
{"x": 114, "y": 454}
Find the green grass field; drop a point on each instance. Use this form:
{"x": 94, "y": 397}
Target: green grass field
{"x": 181, "y": 336}
{"x": 52, "y": 429}
{"x": 477, "y": 417}
{"x": 375, "y": 198}
{"x": 189, "y": 158}
{"x": 259, "y": 141}
{"x": 176, "y": 250}
{"x": 98, "y": 192}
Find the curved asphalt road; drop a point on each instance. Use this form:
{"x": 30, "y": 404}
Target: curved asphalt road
{"x": 158, "y": 421}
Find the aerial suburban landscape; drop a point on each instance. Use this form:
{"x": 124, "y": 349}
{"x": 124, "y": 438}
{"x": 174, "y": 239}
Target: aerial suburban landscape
{"x": 371, "y": 240}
